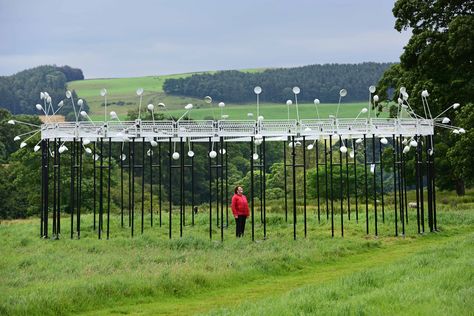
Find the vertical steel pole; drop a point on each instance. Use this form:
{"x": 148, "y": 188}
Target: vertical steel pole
{"x": 400, "y": 183}
{"x": 151, "y": 186}
{"x": 341, "y": 187}
{"x": 326, "y": 174}
{"x": 366, "y": 187}
{"x": 381, "y": 182}
{"x": 160, "y": 176}
{"x": 264, "y": 191}
{"x": 132, "y": 191}
{"x": 348, "y": 188}
{"x": 285, "y": 183}
{"x": 433, "y": 174}
{"x": 227, "y": 187}
{"x": 429, "y": 183}
{"x": 44, "y": 186}
{"x": 181, "y": 189}
{"x": 221, "y": 140}
{"x": 94, "y": 184}
{"x": 293, "y": 165}
{"x": 109, "y": 167}
{"x": 252, "y": 187}
{"x": 169, "y": 186}
{"x": 121, "y": 187}
{"x": 143, "y": 185}
{"x": 317, "y": 180}
{"x": 192, "y": 186}
{"x": 79, "y": 196}
{"x": 55, "y": 150}
{"x": 395, "y": 150}
{"x": 417, "y": 182}
{"x": 210, "y": 187}
{"x": 304, "y": 186}
{"x": 130, "y": 155}
{"x": 374, "y": 161}
{"x": 356, "y": 191}
{"x": 101, "y": 191}
{"x": 71, "y": 187}
{"x": 332, "y": 186}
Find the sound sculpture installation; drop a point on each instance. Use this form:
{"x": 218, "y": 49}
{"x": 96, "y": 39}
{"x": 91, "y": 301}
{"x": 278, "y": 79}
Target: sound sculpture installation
{"x": 91, "y": 142}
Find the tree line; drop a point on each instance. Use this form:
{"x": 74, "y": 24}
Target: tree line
{"x": 315, "y": 81}
{"x": 20, "y": 92}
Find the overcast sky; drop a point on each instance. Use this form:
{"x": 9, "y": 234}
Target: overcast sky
{"x": 111, "y": 38}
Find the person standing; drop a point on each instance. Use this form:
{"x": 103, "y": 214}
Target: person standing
{"x": 240, "y": 209}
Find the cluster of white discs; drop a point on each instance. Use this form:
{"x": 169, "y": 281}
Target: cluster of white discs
{"x": 48, "y": 110}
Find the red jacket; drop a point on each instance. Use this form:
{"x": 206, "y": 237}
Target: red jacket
{"x": 240, "y": 206}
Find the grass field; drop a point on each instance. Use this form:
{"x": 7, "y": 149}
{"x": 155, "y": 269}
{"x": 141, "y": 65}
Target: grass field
{"x": 122, "y": 90}
{"x": 149, "y": 274}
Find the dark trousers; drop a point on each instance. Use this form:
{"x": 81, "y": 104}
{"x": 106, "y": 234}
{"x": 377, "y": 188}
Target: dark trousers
{"x": 240, "y": 225}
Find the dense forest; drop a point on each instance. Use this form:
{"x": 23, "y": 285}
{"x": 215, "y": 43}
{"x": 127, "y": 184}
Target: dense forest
{"x": 20, "y": 92}
{"x": 316, "y": 81}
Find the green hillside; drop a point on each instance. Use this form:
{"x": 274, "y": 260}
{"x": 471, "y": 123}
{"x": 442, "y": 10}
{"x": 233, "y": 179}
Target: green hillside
{"x": 122, "y": 97}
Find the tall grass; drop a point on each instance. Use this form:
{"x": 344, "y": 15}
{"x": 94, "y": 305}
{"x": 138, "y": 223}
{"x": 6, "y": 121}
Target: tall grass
{"x": 152, "y": 273}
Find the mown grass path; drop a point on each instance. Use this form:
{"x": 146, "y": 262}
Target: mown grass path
{"x": 392, "y": 251}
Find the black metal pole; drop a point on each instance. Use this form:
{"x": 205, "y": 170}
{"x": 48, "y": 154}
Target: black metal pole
{"x": 400, "y": 183}
{"x": 130, "y": 185}
{"x": 121, "y": 186}
{"x": 381, "y": 182}
{"x": 101, "y": 191}
{"x": 58, "y": 212}
{"x": 433, "y": 174}
{"x": 210, "y": 187}
{"x": 79, "y": 196}
{"x": 252, "y": 187}
{"x": 132, "y": 191}
{"x": 151, "y": 186}
{"x": 356, "y": 191}
{"x": 341, "y": 187}
{"x": 264, "y": 191}
{"x": 71, "y": 187}
{"x": 317, "y": 180}
{"x": 109, "y": 167}
{"x": 42, "y": 190}
{"x": 366, "y": 187}
{"x": 170, "y": 158}
{"x": 55, "y": 150}
{"x": 332, "y": 186}
{"x": 285, "y": 183}
{"x": 374, "y": 161}
{"x": 227, "y": 187}
{"x": 348, "y": 188}
{"x": 44, "y": 186}
{"x": 181, "y": 198}
{"x": 429, "y": 183}
{"x": 326, "y": 175}
{"x": 422, "y": 203}
{"x": 395, "y": 150}
{"x": 222, "y": 186}
{"x": 94, "y": 184}
{"x": 216, "y": 166}
{"x": 293, "y": 165}
{"x": 160, "y": 176}
{"x": 192, "y": 186}
{"x": 304, "y": 187}
{"x": 143, "y": 185}
{"x": 417, "y": 182}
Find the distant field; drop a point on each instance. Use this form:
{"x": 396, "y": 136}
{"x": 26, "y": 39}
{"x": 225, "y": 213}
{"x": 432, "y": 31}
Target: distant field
{"x": 122, "y": 97}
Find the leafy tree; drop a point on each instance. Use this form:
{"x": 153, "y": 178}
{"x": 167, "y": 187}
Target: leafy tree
{"x": 438, "y": 58}
{"x": 20, "y": 92}
{"x": 315, "y": 81}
